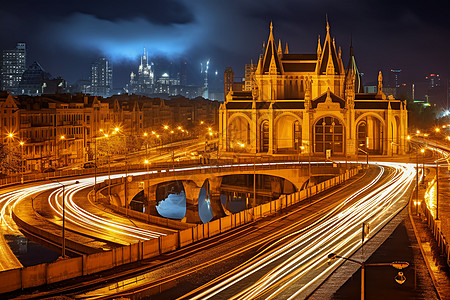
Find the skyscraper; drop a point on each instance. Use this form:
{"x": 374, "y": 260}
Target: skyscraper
{"x": 13, "y": 66}
{"x": 101, "y": 77}
{"x": 142, "y": 83}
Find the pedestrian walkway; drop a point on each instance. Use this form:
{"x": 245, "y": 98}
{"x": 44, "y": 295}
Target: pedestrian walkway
{"x": 396, "y": 242}
{"x": 436, "y": 261}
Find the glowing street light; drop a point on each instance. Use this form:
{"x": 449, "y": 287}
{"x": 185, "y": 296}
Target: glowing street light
{"x": 399, "y": 265}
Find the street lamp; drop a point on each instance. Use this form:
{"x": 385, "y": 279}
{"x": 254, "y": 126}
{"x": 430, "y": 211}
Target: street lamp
{"x": 62, "y": 137}
{"x": 399, "y": 265}
{"x": 423, "y": 163}
{"x": 21, "y": 143}
{"x": 367, "y": 155}
{"x": 109, "y": 166}
{"x": 63, "y": 244}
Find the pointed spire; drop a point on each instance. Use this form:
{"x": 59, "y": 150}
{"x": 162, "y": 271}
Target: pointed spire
{"x": 259, "y": 66}
{"x": 328, "y": 25}
{"x": 286, "y": 51}
{"x": 319, "y": 48}
{"x": 380, "y": 83}
{"x": 271, "y": 31}
{"x": 280, "y": 51}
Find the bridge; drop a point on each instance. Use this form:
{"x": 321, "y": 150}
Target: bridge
{"x": 285, "y": 178}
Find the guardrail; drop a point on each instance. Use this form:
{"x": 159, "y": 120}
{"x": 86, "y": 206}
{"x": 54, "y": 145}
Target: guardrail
{"x": 435, "y": 228}
{"x": 168, "y": 166}
{"x": 60, "y": 270}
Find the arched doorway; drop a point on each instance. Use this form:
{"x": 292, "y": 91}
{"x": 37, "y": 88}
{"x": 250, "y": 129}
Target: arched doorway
{"x": 264, "y": 137}
{"x": 288, "y": 134}
{"x": 238, "y": 134}
{"x": 329, "y": 135}
{"x": 370, "y": 135}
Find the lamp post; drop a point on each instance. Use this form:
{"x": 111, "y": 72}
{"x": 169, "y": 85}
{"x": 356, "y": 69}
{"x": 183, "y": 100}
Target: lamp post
{"x": 109, "y": 166}
{"x": 437, "y": 190}
{"x": 367, "y": 155}
{"x": 399, "y": 265}
{"x": 62, "y": 137}
{"x": 21, "y": 143}
{"x": 417, "y": 182}
{"x": 423, "y": 164}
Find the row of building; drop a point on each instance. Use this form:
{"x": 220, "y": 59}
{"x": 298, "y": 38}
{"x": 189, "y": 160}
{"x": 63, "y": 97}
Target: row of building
{"x": 58, "y": 130}
{"x": 33, "y": 80}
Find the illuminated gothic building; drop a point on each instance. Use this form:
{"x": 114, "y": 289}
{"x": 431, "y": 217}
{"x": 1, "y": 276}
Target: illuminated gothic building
{"x": 142, "y": 83}
{"x": 309, "y": 104}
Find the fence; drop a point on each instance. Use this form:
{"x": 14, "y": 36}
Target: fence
{"x": 60, "y": 270}
{"x": 439, "y": 237}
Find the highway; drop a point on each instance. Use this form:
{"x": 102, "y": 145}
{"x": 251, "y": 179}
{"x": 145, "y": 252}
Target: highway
{"x": 293, "y": 266}
{"x": 284, "y": 256}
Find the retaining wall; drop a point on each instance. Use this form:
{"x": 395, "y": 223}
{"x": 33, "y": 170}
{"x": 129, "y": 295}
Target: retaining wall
{"x": 60, "y": 270}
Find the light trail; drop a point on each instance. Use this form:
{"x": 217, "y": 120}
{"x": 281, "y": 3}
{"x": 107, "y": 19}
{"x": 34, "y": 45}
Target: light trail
{"x": 300, "y": 262}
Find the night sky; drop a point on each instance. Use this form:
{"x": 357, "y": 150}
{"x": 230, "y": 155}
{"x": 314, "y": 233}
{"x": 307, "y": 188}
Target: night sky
{"x": 65, "y": 37}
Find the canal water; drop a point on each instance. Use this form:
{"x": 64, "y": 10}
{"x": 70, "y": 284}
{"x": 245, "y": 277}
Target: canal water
{"x": 28, "y": 252}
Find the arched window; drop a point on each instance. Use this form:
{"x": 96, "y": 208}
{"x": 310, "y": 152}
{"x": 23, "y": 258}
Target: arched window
{"x": 297, "y": 135}
{"x": 329, "y": 135}
{"x": 264, "y": 146}
{"x": 362, "y": 135}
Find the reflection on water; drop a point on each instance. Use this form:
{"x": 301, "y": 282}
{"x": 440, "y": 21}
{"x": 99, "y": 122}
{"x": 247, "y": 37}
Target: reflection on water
{"x": 28, "y": 252}
{"x": 204, "y": 204}
{"x": 237, "y": 192}
{"x": 171, "y": 199}
{"x": 173, "y": 206}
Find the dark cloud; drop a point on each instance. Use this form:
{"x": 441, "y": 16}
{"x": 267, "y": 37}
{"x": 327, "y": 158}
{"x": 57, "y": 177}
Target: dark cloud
{"x": 66, "y": 36}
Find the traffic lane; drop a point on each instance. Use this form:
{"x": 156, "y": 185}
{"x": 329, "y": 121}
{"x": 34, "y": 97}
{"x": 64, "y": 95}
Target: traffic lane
{"x": 220, "y": 257}
{"x": 303, "y": 264}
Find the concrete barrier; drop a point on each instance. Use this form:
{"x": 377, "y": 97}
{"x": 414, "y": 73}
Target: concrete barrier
{"x": 168, "y": 243}
{"x": 225, "y": 223}
{"x": 150, "y": 248}
{"x": 64, "y": 269}
{"x": 214, "y": 227}
{"x": 34, "y": 276}
{"x": 98, "y": 262}
{"x": 10, "y": 280}
{"x": 186, "y": 237}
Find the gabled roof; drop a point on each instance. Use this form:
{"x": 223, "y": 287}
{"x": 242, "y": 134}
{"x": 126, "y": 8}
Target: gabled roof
{"x": 322, "y": 98}
{"x": 271, "y": 54}
{"x": 329, "y": 55}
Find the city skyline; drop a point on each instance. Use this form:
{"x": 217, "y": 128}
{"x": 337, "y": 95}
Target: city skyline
{"x": 67, "y": 39}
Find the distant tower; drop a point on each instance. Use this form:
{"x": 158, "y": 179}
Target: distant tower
{"x": 249, "y": 70}
{"x": 205, "y": 84}
{"x": 13, "y": 66}
{"x": 101, "y": 77}
{"x": 433, "y": 80}
{"x": 145, "y": 76}
{"x": 228, "y": 80}
{"x": 183, "y": 73}
{"x": 395, "y": 78}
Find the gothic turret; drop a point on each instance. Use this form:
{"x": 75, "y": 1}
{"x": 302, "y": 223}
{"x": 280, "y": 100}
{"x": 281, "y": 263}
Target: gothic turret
{"x": 271, "y": 54}
{"x": 352, "y": 71}
{"x": 329, "y": 62}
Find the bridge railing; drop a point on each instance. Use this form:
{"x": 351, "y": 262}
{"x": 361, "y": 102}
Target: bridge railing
{"x": 212, "y": 164}
{"x": 60, "y": 270}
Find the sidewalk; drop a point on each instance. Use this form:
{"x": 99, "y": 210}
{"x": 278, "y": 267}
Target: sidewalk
{"x": 436, "y": 261}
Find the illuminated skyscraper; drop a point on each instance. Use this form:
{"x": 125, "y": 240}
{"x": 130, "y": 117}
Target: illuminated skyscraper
{"x": 101, "y": 77}
{"x": 142, "y": 82}
{"x": 13, "y": 66}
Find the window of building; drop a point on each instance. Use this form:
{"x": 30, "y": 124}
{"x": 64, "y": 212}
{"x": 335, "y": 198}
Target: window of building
{"x": 329, "y": 135}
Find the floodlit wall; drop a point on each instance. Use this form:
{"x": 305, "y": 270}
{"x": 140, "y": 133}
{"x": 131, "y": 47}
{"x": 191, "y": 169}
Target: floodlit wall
{"x": 60, "y": 270}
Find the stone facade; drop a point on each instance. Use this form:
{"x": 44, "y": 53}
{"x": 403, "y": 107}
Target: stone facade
{"x": 310, "y": 104}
